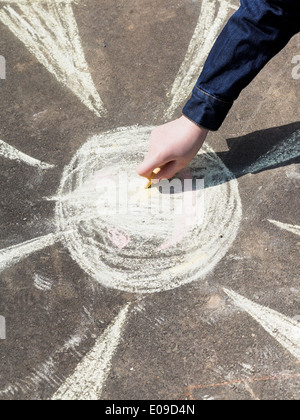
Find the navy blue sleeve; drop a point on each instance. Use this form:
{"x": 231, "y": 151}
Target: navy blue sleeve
{"x": 258, "y": 31}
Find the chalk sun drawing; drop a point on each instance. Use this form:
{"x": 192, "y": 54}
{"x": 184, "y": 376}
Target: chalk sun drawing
{"x": 188, "y": 219}
{"x": 14, "y": 254}
{"x": 9, "y": 152}
{"x": 284, "y": 329}
{"x": 138, "y": 266}
{"x": 282, "y": 153}
{"x": 49, "y": 31}
{"x": 213, "y": 15}
{"x": 134, "y": 253}
{"x": 89, "y": 377}
{"x": 290, "y": 228}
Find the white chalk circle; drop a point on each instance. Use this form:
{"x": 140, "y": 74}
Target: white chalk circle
{"x": 141, "y": 251}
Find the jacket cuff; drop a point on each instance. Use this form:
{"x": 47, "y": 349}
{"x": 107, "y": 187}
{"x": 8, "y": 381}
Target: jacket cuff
{"x": 206, "y": 110}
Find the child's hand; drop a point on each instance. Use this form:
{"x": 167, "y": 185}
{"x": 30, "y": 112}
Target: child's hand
{"x": 172, "y": 147}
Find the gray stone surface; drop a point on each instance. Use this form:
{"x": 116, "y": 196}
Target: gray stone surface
{"x": 192, "y": 342}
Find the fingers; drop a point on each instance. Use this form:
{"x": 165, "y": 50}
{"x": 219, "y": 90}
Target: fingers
{"x": 168, "y": 170}
{"x": 146, "y": 168}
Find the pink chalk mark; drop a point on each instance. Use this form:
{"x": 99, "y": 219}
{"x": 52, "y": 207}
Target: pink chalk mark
{"x": 118, "y": 238}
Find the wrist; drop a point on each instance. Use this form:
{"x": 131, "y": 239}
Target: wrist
{"x": 193, "y": 126}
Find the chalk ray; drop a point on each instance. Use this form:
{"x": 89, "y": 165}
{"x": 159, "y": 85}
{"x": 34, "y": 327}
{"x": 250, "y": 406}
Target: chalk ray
{"x": 87, "y": 382}
{"x": 9, "y": 152}
{"x": 14, "y": 254}
{"x": 49, "y": 31}
{"x": 280, "y": 154}
{"x": 212, "y": 17}
{"x": 284, "y": 329}
{"x": 290, "y": 228}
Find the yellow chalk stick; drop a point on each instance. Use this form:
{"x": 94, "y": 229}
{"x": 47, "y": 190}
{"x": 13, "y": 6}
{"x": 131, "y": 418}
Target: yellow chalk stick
{"x": 148, "y": 184}
{"x": 149, "y": 181}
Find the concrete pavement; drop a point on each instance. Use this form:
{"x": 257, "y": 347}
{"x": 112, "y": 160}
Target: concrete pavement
{"x": 81, "y": 319}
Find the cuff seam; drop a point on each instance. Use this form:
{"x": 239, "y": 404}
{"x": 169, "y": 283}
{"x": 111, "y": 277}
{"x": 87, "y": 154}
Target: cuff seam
{"x": 211, "y": 96}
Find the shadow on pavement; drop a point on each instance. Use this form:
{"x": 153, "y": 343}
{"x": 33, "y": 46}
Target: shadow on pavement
{"x": 258, "y": 151}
